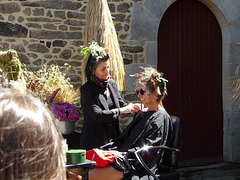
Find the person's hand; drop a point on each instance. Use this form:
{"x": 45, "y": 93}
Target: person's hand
{"x": 73, "y": 176}
{"x": 130, "y": 108}
{"x": 136, "y": 107}
{"x": 127, "y": 109}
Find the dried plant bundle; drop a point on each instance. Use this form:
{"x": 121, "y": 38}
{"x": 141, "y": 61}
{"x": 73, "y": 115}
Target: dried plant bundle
{"x": 67, "y": 94}
{"x": 44, "y": 83}
{"x": 47, "y": 80}
{"x": 100, "y": 28}
{"x": 19, "y": 85}
{"x": 10, "y": 64}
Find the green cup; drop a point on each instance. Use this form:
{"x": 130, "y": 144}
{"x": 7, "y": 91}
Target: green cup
{"x": 76, "y": 156}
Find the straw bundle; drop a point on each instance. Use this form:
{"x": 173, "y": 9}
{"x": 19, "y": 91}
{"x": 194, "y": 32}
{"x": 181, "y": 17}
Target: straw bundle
{"x": 100, "y": 28}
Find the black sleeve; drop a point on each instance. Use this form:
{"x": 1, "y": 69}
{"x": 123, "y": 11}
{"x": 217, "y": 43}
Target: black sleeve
{"x": 122, "y": 103}
{"x": 90, "y": 106}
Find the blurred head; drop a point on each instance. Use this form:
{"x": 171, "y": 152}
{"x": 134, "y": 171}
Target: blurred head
{"x": 97, "y": 65}
{"x": 151, "y": 86}
{"x": 30, "y": 143}
{"x": 99, "y": 68}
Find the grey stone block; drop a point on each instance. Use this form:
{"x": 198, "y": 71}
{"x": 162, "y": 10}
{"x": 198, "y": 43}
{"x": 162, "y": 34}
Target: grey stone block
{"x": 227, "y": 148}
{"x": 157, "y": 7}
{"x": 144, "y": 25}
{"x": 14, "y": 30}
{"x": 9, "y": 8}
{"x": 230, "y": 9}
{"x": 229, "y": 104}
{"x": 234, "y": 28}
{"x": 228, "y": 74}
{"x": 227, "y": 124}
{"x": 216, "y": 2}
{"x": 131, "y": 81}
{"x": 226, "y": 52}
{"x": 132, "y": 69}
{"x": 151, "y": 53}
{"x": 211, "y": 3}
{"x": 234, "y": 54}
{"x": 236, "y": 124}
{"x": 226, "y": 36}
{"x": 236, "y": 148}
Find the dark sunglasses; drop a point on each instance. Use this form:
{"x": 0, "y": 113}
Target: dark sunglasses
{"x": 141, "y": 91}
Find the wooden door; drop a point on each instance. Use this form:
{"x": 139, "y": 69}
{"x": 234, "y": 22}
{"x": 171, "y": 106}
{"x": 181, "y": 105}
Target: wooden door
{"x": 190, "y": 55}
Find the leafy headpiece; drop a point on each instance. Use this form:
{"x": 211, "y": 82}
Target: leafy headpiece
{"x": 151, "y": 72}
{"x": 95, "y": 50}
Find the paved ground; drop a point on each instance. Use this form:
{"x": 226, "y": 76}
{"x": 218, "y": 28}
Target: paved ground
{"x": 223, "y": 171}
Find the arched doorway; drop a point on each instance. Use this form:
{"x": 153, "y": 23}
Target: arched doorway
{"x": 190, "y": 55}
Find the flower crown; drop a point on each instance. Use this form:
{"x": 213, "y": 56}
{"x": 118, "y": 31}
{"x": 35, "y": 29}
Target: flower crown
{"x": 147, "y": 72}
{"x": 97, "y": 51}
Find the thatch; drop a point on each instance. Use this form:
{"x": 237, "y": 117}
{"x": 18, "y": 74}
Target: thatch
{"x": 100, "y": 28}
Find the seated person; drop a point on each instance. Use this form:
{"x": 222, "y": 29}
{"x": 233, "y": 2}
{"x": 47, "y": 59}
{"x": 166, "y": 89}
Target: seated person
{"x": 151, "y": 126}
{"x": 30, "y": 143}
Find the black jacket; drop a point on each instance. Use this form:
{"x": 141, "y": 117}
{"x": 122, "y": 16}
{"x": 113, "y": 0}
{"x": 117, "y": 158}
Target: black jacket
{"x": 100, "y": 124}
{"x": 155, "y": 129}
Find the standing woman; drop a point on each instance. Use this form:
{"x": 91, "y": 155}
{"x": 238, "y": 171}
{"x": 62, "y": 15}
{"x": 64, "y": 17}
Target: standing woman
{"x": 101, "y": 101}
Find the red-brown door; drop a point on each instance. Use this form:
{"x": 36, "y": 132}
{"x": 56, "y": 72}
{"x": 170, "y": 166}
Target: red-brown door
{"x": 190, "y": 55}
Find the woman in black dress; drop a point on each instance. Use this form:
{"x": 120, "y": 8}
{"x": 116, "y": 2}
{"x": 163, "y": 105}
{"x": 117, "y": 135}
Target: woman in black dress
{"x": 151, "y": 126}
{"x": 101, "y": 101}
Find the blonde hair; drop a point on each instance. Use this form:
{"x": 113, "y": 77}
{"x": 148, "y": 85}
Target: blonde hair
{"x": 30, "y": 143}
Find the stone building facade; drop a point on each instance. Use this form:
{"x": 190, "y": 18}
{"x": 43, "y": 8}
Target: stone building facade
{"x": 51, "y": 31}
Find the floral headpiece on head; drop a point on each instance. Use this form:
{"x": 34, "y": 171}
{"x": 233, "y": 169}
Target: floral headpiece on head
{"x": 161, "y": 79}
{"x": 95, "y": 50}
{"x": 149, "y": 71}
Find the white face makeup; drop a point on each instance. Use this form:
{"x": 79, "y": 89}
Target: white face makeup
{"x": 144, "y": 94}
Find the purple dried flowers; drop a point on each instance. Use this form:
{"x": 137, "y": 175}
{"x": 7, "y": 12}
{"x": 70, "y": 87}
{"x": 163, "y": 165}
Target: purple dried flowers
{"x": 64, "y": 111}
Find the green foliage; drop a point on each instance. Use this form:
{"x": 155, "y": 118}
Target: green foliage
{"x": 10, "y": 65}
{"x": 94, "y": 49}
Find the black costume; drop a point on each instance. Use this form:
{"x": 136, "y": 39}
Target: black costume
{"x": 101, "y": 114}
{"x": 155, "y": 128}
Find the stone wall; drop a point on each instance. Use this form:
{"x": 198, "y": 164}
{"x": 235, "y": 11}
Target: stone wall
{"x": 52, "y": 31}
{"x": 44, "y": 32}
